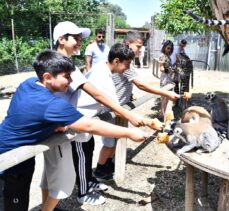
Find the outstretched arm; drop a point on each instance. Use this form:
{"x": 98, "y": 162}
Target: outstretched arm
{"x": 102, "y": 128}
{"x": 101, "y": 97}
{"x": 171, "y": 95}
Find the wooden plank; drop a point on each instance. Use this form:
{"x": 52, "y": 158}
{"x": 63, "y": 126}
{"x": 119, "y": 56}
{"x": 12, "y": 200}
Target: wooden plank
{"x": 189, "y": 188}
{"x": 120, "y": 154}
{"x": 20, "y": 154}
{"x": 223, "y": 203}
{"x": 216, "y": 163}
{"x": 204, "y": 185}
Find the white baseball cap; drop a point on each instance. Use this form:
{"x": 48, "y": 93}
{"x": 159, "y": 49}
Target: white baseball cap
{"x": 67, "y": 27}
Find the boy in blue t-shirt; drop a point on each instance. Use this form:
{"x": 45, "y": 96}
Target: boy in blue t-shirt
{"x": 35, "y": 113}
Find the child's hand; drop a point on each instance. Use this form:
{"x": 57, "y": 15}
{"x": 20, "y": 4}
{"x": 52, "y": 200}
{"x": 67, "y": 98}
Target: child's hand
{"x": 138, "y": 135}
{"x": 156, "y": 124}
{"x": 61, "y": 129}
{"x": 173, "y": 95}
{"x": 187, "y": 95}
{"x": 137, "y": 120}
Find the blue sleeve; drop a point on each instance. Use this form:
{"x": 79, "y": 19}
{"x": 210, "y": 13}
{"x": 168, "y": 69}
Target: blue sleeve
{"x": 62, "y": 112}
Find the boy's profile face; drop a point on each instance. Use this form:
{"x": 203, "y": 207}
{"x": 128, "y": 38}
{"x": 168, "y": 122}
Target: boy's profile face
{"x": 121, "y": 67}
{"x": 57, "y": 83}
{"x": 136, "y": 46}
{"x": 72, "y": 44}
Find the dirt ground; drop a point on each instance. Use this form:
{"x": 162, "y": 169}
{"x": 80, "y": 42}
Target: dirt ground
{"x": 151, "y": 168}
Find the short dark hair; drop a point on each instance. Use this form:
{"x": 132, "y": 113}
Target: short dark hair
{"x": 120, "y": 51}
{"x": 65, "y": 37}
{"x": 183, "y": 41}
{"x": 53, "y": 63}
{"x": 166, "y": 43}
{"x": 132, "y": 36}
{"x": 100, "y": 31}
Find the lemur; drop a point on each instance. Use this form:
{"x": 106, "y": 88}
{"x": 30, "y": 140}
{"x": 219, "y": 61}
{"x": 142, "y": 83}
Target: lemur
{"x": 195, "y": 114}
{"x": 219, "y": 113}
{"x": 218, "y": 108}
{"x": 194, "y": 130}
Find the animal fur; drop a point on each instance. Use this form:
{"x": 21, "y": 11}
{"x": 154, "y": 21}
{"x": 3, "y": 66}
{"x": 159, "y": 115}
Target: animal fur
{"x": 207, "y": 21}
{"x": 218, "y": 108}
{"x": 196, "y": 114}
{"x": 215, "y": 23}
{"x": 199, "y": 134}
{"x": 195, "y": 130}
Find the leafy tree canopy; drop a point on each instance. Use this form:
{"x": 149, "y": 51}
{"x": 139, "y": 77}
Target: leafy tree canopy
{"x": 175, "y": 21}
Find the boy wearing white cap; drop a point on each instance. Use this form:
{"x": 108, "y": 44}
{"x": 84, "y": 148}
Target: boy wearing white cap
{"x": 58, "y": 176}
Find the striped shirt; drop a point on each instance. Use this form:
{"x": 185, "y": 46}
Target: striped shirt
{"x": 123, "y": 84}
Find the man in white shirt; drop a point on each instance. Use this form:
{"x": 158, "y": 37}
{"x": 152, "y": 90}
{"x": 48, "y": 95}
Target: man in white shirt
{"x": 97, "y": 50}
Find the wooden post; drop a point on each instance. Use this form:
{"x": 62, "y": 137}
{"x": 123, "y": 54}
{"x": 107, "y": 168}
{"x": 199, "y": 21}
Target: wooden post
{"x": 110, "y": 29}
{"x": 204, "y": 185}
{"x": 189, "y": 188}
{"x": 50, "y": 30}
{"x": 120, "y": 154}
{"x": 153, "y": 67}
{"x": 223, "y": 203}
{"x": 14, "y": 45}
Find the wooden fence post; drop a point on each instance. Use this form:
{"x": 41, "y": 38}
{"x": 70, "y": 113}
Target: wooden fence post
{"x": 223, "y": 203}
{"x": 120, "y": 154}
{"x": 110, "y": 30}
{"x": 189, "y": 190}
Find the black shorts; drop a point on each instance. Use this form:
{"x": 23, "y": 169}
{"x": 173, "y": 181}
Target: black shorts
{"x": 16, "y": 186}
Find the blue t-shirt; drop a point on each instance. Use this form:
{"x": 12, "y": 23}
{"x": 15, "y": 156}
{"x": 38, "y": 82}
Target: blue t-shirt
{"x": 33, "y": 115}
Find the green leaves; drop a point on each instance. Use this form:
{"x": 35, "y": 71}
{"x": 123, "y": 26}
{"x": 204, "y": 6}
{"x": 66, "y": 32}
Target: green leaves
{"x": 174, "y": 21}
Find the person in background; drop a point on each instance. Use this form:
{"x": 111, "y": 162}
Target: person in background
{"x": 177, "y": 50}
{"x": 141, "y": 56}
{"x": 167, "y": 71}
{"x": 97, "y": 50}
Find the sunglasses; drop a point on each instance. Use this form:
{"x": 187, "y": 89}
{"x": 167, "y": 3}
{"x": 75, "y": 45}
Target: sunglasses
{"x": 101, "y": 36}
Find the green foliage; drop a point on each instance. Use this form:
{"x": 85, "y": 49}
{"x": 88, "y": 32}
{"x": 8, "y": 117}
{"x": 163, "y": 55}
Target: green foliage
{"x": 26, "y": 52}
{"x": 6, "y": 47}
{"x": 31, "y": 25}
{"x": 120, "y": 17}
{"x": 175, "y": 21}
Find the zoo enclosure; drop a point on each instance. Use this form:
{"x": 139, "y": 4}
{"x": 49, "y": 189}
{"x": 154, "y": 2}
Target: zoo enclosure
{"x": 206, "y": 47}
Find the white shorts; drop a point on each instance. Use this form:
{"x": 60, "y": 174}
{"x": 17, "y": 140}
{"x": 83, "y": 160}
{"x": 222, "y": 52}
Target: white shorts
{"x": 59, "y": 173}
{"x": 109, "y": 142}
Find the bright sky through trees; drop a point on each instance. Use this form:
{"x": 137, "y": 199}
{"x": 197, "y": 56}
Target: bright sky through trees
{"x": 138, "y": 11}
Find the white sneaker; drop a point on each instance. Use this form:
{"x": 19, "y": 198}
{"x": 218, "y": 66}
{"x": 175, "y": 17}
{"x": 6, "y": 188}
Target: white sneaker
{"x": 97, "y": 186}
{"x": 92, "y": 198}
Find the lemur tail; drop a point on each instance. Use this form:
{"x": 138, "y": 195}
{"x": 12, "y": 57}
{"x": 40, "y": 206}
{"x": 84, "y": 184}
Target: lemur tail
{"x": 210, "y": 23}
{"x": 206, "y": 21}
